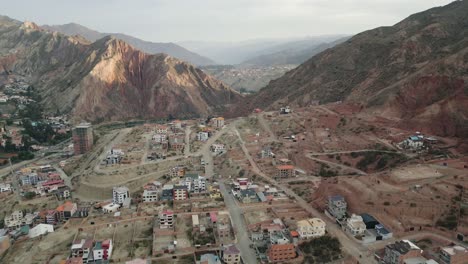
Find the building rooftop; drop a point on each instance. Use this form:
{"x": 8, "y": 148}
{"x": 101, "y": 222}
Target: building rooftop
{"x": 231, "y": 250}
{"x": 454, "y": 250}
{"x": 285, "y": 167}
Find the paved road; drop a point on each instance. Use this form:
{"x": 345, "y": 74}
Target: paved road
{"x": 239, "y": 226}
{"x": 353, "y": 248}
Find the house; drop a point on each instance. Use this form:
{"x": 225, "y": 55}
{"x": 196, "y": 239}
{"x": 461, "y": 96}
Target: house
{"x": 177, "y": 142}
{"x": 177, "y": 172}
{"x": 369, "y": 220}
{"x": 119, "y": 194}
{"x": 203, "y": 136}
{"x": 309, "y": 228}
{"x": 176, "y": 125}
{"x": 414, "y": 142}
{"x": 166, "y": 219}
{"x": 231, "y": 255}
{"x": 161, "y": 129}
{"x": 180, "y": 192}
{"x": 399, "y": 251}
{"x": 217, "y": 148}
{"x": 167, "y": 193}
{"x": 337, "y": 206}
{"x": 150, "y": 196}
{"x": 224, "y": 230}
{"x": 81, "y": 212}
{"x": 66, "y": 211}
{"x": 82, "y": 249}
{"x": 5, "y": 187}
{"x": 281, "y": 253}
{"x": 30, "y": 179}
{"x": 248, "y": 196}
{"x": 285, "y": 171}
{"x": 110, "y": 208}
{"x": 383, "y": 232}
{"x": 454, "y": 255}
{"x": 51, "y": 217}
{"x": 355, "y": 225}
{"x": 278, "y": 238}
{"x": 15, "y": 220}
{"x": 285, "y": 110}
{"x": 218, "y": 122}
{"x": 194, "y": 182}
{"x": 267, "y": 153}
{"x": 40, "y": 229}
{"x": 208, "y": 259}
{"x": 102, "y": 250}
{"x": 62, "y": 192}
{"x": 159, "y": 138}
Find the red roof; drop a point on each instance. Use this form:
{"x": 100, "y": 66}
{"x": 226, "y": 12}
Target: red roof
{"x": 285, "y": 167}
{"x": 294, "y": 233}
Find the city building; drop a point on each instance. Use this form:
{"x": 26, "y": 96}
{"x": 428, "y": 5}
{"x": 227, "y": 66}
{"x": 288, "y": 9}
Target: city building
{"x": 180, "y": 192}
{"x": 161, "y": 129}
{"x": 119, "y": 194}
{"x": 285, "y": 171}
{"x": 218, "y": 122}
{"x": 355, "y": 225}
{"x": 40, "y": 229}
{"x": 150, "y": 196}
{"x": 399, "y": 251}
{"x": 454, "y": 255}
{"x": 5, "y": 187}
{"x": 82, "y": 138}
{"x": 15, "y": 220}
{"x": 231, "y": 255}
{"x": 281, "y": 253}
{"x": 177, "y": 142}
{"x": 203, "y": 136}
{"x": 30, "y": 179}
{"x": 110, "y": 208}
{"x": 160, "y": 138}
{"x": 166, "y": 219}
{"x": 82, "y": 249}
{"x": 337, "y": 206}
{"x": 66, "y": 210}
{"x": 177, "y": 172}
{"x": 218, "y": 148}
{"x": 194, "y": 182}
{"x": 310, "y": 228}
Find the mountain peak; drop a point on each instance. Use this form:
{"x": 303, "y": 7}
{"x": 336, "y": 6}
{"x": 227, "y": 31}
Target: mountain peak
{"x": 30, "y": 26}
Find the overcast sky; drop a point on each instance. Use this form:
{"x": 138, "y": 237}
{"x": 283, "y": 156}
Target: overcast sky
{"x": 221, "y": 20}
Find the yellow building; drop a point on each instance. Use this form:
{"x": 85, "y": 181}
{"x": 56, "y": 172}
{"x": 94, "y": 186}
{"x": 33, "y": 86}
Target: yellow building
{"x": 313, "y": 227}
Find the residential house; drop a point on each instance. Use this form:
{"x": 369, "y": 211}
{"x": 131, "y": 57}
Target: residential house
{"x": 180, "y": 192}
{"x": 102, "y": 250}
{"x": 454, "y": 255}
{"x": 248, "y": 196}
{"x": 177, "y": 172}
{"x": 110, "y": 208}
{"x": 414, "y": 142}
{"x": 399, "y": 251}
{"x": 203, "y": 136}
{"x": 119, "y": 194}
{"x": 285, "y": 171}
{"x": 383, "y": 232}
{"x": 218, "y": 122}
{"x": 231, "y": 255}
{"x": 224, "y": 230}
{"x": 208, "y": 259}
{"x": 40, "y": 229}
{"x": 177, "y": 142}
{"x": 62, "y": 192}
{"x": 15, "y": 220}
{"x": 166, "y": 219}
{"x": 218, "y": 148}
{"x": 167, "y": 193}
{"x": 285, "y": 110}
{"x": 66, "y": 211}
{"x": 369, "y": 220}
{"x": 51, "y": 217}
{"x": 160, "y": 138}
{"x": 161, "y": 129}
{"x": 281, "y": 253}
{"x": 5, "y": 187}
{"x": 266, "y": 153}
{"x": 310, "y": 228}
{"x": 194, "y": 182}
{"x": 355, "y": 225}
{"x": 30, "y": 179}
{"x": 82, "y": 249}
{"x": 150, "y": 196}
{"x": 337, "y": 206}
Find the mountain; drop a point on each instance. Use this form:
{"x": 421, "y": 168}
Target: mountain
{"x": 108, "y": 79}
{"x": 172, "y": 49}
{"x": 293, "y": 53}
{"x": 230, "y": 53}
{"x": 415, "y": 72}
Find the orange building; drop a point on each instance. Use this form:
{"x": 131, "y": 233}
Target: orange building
{"x": 279, "y": 253}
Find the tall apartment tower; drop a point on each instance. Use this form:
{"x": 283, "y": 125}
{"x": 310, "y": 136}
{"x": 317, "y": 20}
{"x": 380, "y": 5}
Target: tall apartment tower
{"x": 82, "y": 138}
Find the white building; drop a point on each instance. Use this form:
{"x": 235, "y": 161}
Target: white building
{"x": 150, "y": 196}
{"x": 15, "y": 220}
{"x": 119, "y": 194}
{"x": 40, "y": 229}
{"x": 110, "y": 208}
{"x": 161, "y": 129}
{"x": 355, "y": 225}
{"x": 5, "y": 187}
{"x": 160, "y": 138}
{"x": 166, "y": 219}
{"x": 217, "y": 148}
{"x": 313, "y": 227}
{"x": 414, "y": 142}
{"x": 203, "y": 136}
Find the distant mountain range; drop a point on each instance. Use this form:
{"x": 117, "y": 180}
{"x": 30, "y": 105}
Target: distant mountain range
{"x": 171, "y": 49}
{"x": 231, "y": 53}
{"x": 415, "y": 72}
{"x": 107, "y": 79}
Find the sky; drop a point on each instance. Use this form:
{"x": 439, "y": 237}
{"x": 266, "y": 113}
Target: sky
{"x": 218, "y": 20}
